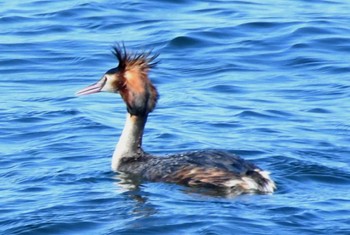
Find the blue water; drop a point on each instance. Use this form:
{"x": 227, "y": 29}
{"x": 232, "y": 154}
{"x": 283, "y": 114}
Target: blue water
{"x": 268, "y": 80}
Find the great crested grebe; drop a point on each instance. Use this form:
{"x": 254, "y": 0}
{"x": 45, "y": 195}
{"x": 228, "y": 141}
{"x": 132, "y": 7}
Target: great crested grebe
{"x": 207, "y": 168}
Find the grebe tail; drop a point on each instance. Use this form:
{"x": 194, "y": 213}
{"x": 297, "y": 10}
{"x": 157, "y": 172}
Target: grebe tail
{"x": 207, "y": 168}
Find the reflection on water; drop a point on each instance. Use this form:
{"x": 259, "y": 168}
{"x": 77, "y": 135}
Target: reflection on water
{"x": 130, "y": 187}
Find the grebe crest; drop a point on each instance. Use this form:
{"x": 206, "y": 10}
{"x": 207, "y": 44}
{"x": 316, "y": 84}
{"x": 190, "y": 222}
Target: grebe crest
{"x": 130, "y": 80}
{"x": 211, "y": 168}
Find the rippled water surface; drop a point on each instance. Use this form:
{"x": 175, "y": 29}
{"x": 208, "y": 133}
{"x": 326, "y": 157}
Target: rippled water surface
{"x": 268, "y": 80}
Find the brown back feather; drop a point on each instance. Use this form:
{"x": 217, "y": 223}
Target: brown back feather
{"x": 201, "y": 176}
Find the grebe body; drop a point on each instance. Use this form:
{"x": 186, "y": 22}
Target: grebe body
{"x": 205, "y": 168}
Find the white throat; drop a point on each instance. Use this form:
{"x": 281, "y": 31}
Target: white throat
{"x": 129, "y": 144}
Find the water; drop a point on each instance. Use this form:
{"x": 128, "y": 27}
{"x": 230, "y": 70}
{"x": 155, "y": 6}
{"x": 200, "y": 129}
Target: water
{"x": 268, "y": 80}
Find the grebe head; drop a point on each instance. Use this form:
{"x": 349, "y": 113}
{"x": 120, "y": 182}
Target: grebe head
{"x": 130, "y": 80}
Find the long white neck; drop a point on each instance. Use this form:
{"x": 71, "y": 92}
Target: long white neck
{"x": 129, "y": 144}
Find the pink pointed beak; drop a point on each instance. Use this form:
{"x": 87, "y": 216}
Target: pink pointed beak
{"x": 94, "y": 88}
